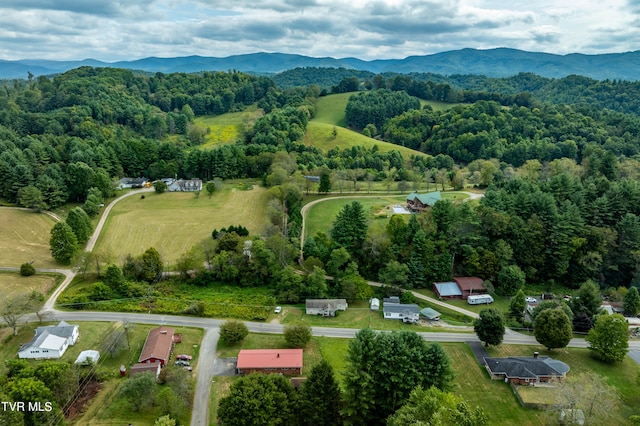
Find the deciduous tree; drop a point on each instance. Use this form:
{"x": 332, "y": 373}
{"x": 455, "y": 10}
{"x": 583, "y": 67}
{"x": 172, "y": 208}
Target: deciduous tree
{"x": 609, "y": 338}
{"x": 258, "y": 399}
{"x": 297, "y": 336}
{"x": 490, "y": 327}
{"x": 140, "y": 391}
{"x": 14, "y": 308}
{"x": 552, "y": 328}
{"x": 438, "y": 408}
{"x": 233, "y": 331}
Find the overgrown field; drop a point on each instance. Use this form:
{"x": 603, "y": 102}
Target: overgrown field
{"x": 171, "y": 297}
{"x": 225, "y": 128}
{"x": 25, "y": 237}
{"x": 174, "y": 222}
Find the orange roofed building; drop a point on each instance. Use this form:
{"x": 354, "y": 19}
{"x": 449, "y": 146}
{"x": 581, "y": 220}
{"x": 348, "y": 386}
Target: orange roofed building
{"x": 158, "y": 346}
{"x": 287, "y": 362}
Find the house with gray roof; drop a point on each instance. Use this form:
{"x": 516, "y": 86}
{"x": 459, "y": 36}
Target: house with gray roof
{"x": 50, "y": 341}
{"x": 407, "y": 312}
{"x": 526, "y": 370}
{"x": 325, "y": 307}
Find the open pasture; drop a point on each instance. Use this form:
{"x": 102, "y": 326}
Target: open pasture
{"x": 321, "y": 216}
{"x": 225, "y": 128}
{"x": 24, "y": 236}
{"x": 13, "y": 284}
{"x": 174, "y": 222}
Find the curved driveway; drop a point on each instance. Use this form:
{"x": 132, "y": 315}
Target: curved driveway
{"x": 207, "y": 358}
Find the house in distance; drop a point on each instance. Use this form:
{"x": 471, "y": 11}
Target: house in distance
{"x": 325, "y": 307}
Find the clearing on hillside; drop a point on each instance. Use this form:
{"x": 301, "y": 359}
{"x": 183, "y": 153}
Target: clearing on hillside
{"x": 25, "y": 237}
{"x": 174, "y": 222}
{"x": 226, "y": 128}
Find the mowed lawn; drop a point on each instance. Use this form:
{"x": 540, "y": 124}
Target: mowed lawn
{"x": 174, "y": 222}
{"x": 321, "y": 216}
{"x": 13, "y": 284}
{"x": 24, "y": 236}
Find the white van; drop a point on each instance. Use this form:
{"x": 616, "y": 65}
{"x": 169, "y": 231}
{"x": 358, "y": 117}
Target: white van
{"x": 479, "y": 299}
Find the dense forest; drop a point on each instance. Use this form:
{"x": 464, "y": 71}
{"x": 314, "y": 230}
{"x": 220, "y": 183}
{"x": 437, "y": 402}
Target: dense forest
{"x": 559, "y": 164}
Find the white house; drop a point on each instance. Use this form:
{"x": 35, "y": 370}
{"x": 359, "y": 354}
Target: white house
{"x": 182, "y": 185}
{"x": 407, "y": 312}
{"x": 325, "y": 307}
{"x": 50, "y": 341}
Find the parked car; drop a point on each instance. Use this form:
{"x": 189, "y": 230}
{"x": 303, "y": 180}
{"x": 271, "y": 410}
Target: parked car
{"x": 277, "y": 310}
{"x": 182, "y": 363}
{"x": 188, "y": 368}
{"x": 530, "y": 299}
{"x": 183, "y": 357}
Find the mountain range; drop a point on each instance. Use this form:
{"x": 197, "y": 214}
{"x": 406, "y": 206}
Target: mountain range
{"x": 500, "y": 62}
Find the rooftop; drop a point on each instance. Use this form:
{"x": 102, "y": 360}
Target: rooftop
{"x": 269, "y": 358}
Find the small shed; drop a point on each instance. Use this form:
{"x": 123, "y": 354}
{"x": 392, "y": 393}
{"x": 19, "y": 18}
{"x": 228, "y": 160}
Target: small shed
{"x": 375, "y": 304}
{"x": 430, "y": 314}
{"x": 144, "y": 367}
{"x": 88, "y": 357}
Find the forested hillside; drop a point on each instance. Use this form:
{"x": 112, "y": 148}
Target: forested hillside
{"x": 563, "y": 197}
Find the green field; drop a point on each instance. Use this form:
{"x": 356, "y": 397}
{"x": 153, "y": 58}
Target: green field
{"x": 12, "y": 283}
{"x": 320, "y": 216}
{"x": 25, "y": 237}
{"x": 174, "y": 222}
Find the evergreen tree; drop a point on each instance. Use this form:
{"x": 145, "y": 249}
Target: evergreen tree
{"x": 80, "y": 223}
{"x": 63, "y": 242}
{"x": 350, "y": 228}
{"x": 631, "y": 302}
{"x": 325, "y": 181}
{"x": 320, "y": 397}
{"x": 518, "y": 305}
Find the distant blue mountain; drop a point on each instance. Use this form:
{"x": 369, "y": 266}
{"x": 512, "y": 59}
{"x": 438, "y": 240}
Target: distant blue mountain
{"x": 500, "y": 62}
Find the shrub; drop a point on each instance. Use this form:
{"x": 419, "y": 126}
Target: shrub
{"x": 297, "y": 336}
{"x": 233, "y": 331}
{"x": 27, "y": 269}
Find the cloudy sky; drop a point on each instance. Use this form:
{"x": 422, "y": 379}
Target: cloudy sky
{"x": 112, "y": 30}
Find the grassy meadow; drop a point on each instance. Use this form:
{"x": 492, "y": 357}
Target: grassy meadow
{"x": 25, "y": 237}
{"x": 377, "y": 208}
{"x": 13, "y": 284}
{"x": 174, "y": 222}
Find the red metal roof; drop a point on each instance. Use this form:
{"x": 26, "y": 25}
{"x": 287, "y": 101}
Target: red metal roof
{"x": 158, "y": 344}
{"x": 469, "y": 283}
{"x": 269, "y": 358}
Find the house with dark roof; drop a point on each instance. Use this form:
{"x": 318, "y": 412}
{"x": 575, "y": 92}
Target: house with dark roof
{"x": 50, "y": 341}
{"x": 447, "y": 290}
{"x": 139, "y": 182}
{"x": 526, "y": 370}
{"x": 407, "y": 312}
{"x": 158, "y": 346}
{"x": 470, "y": 285}
{"x": 417, "y": 202}
{"x": 286, "y": 362}
{"x": 325, "y": 307}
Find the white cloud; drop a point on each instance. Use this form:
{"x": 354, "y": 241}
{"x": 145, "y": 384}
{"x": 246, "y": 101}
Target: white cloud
{"x": 120, "y": 29}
